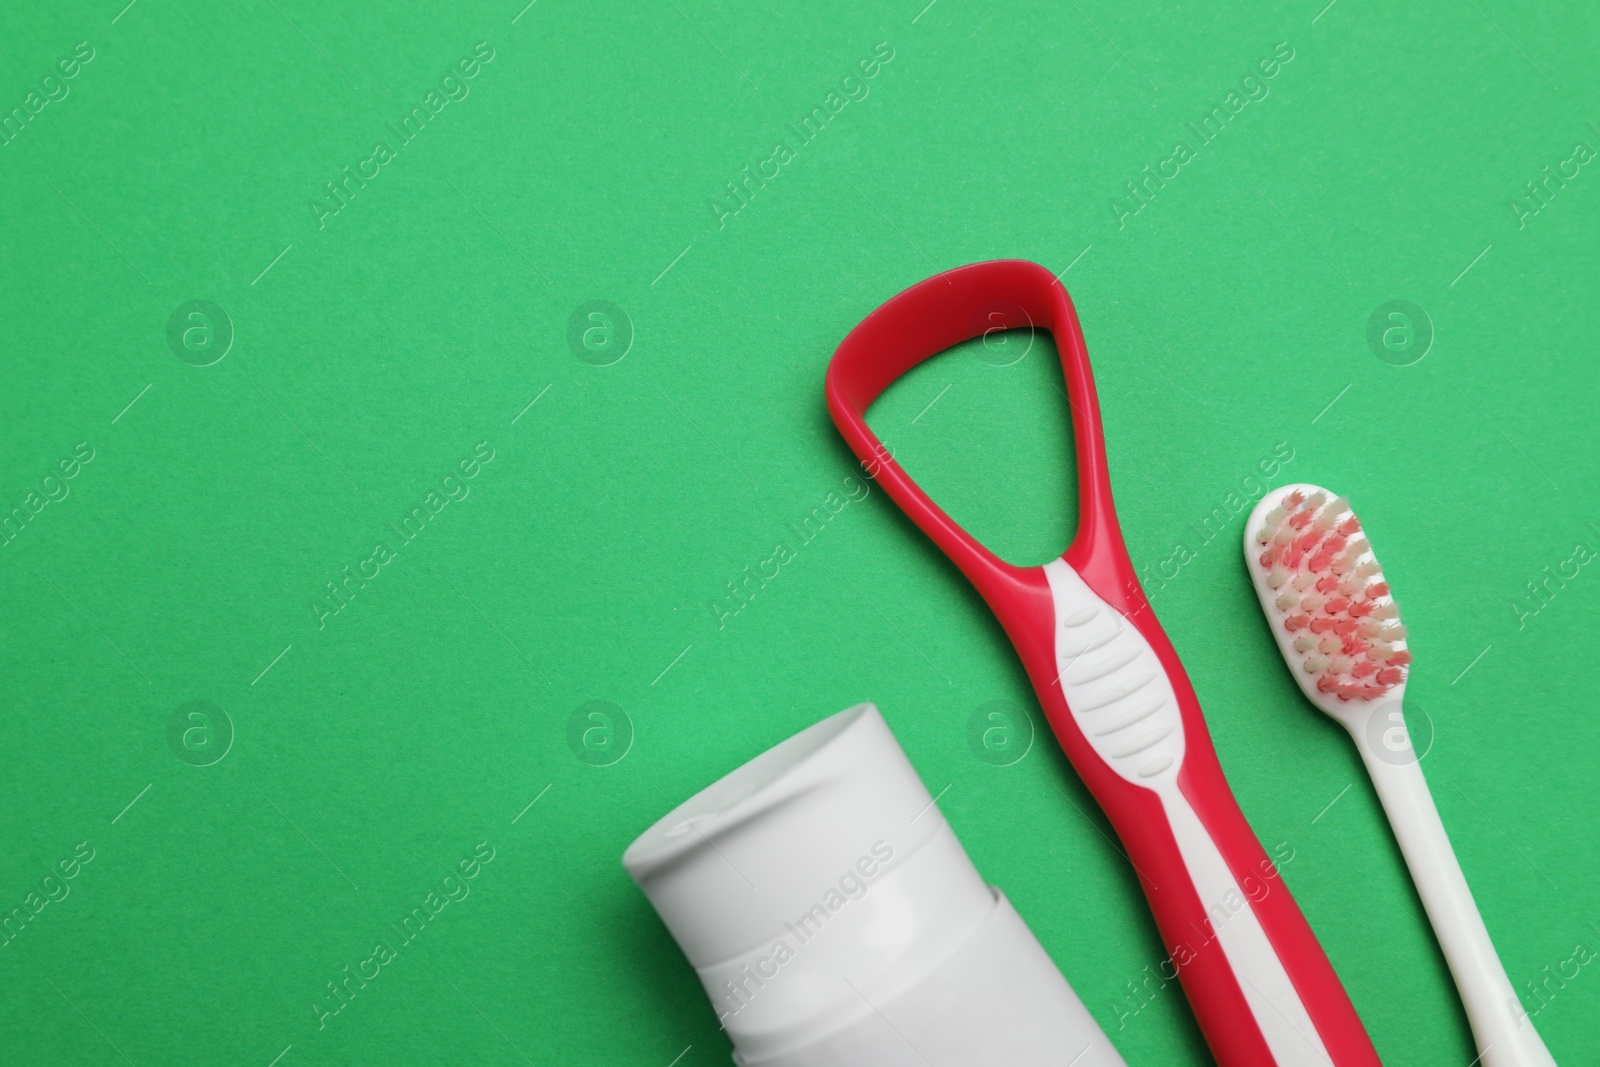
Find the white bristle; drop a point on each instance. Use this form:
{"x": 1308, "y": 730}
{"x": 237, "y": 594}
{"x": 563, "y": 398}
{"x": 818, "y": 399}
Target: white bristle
{"x": 1331, "y": 623}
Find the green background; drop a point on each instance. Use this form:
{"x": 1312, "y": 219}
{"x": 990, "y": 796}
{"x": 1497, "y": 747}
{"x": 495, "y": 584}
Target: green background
{"x": 1227, "y": 318}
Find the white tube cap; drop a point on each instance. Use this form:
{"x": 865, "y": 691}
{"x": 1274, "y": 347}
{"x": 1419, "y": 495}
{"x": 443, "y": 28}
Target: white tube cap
{"x": 834, "y": 919}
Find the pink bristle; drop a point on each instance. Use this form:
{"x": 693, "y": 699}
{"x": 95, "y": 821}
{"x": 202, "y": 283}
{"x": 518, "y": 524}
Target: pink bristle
{"x": 1345, "y": 630}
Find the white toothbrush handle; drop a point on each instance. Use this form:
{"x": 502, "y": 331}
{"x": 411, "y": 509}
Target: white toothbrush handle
{"x": 1504, "y": 1034}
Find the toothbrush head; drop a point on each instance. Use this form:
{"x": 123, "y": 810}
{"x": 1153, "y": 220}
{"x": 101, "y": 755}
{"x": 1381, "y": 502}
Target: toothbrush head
{"x": 1325, "y": 598}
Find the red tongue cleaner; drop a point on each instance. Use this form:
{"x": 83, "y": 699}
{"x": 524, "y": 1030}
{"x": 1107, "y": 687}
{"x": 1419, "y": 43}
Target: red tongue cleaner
{"x": 1332, "y": 591}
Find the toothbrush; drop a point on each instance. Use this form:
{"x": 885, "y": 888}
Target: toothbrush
{"x": 1340, "y": 632}
{"x": 1114, "y": 692}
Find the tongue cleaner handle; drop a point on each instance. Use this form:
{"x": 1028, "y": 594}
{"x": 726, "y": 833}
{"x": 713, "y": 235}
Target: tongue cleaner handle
{"x": 1260, "y": 985}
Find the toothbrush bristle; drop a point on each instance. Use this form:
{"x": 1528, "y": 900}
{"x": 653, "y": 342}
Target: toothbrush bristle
{"x": 1333, "y": 597}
